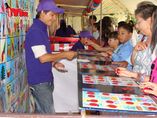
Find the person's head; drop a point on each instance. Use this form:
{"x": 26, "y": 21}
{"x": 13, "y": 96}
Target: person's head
{"x": 131, "y": 23}
{"x": 106, "y": 21}
{"x": 69, "y": 26}
{"x": 154, "y": 29}
{"x": 47, "y": 11}
{"x": 144, "y": 3}
{"x": 113, "y": 39}
{"x": 92, "y": 19}
{"x": 96, "y": 27}
{"x": 121, "y": 23}
{"x": 84, "y": 36}
{"x": 124, "y": 33}
{"x": 143, "y": 15}
{"x": 62, "y": 24}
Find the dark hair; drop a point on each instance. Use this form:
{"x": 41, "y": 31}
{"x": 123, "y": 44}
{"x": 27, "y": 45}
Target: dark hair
{"x": 113, "y": 35}
{"x": 93, "y": 17}
{"x": 39, "y": 13}
{"x": 145, "y": 11}
{"x": 121, "y": 23}
{"x": 127, "y": 27}
{"x": 97, "y": 25}
{"x": 107, "y": 21}
{"x": 131, "y": 23}
{"x": 154, "y": 29}
{"x": 106, "y": 28}
{"x": 63, "y": 25}
{"x": 144, "y": 3}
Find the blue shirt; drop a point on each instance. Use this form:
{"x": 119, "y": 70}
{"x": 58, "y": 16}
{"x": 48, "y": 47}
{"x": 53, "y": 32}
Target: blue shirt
{"x": 123, "y": 53}
{"x": 37, "y": 72}
{"x": 77, "y": 45}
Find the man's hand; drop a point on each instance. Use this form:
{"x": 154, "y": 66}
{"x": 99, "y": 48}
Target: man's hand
{"x": 60, "y": 67}
{"x": 70, "y": 55}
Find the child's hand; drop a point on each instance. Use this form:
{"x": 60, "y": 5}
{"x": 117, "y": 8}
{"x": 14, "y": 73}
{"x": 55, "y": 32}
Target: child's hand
{"x": 89, "y": 42}
{"x": 121, "y": 64}
{"x": 123, "y": 72}
{"x": 149, "y": 88}
{"x": 140, "y": 46}
{"x": 104, "y": 54}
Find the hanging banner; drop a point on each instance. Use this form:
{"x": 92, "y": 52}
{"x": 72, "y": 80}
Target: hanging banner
{"x": 92, "y": 6}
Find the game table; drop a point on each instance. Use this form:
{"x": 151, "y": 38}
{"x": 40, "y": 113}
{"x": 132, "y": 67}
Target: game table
{"x": 101, "y": 90}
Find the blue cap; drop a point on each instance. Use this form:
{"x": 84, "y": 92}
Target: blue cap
{"x": 49, "y": 5}
{"x": 85, "y": 34}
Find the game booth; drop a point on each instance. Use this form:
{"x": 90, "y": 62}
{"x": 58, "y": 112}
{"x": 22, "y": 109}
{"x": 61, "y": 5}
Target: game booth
{"x": 89, "y": 88}
{"x": 91, "y": 85}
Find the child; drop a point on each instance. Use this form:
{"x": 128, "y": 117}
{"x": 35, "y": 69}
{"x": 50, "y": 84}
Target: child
{"x": 84, "y": 36}
{"x": 113, "y": 43}
{"x": 113, "y": 37}
{"x": 96, "y": 31}
{"x": 122, "y": 54}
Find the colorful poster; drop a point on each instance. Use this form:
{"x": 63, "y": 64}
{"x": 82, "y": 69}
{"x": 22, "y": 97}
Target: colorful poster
{"x": 8, "y": 49}
{"x": 12, "y": 47}
{"x": 15, "y": 90}
{"x": 3, "y": 50}
{"x": 121, "y": 102}
{"x": 16, "y": 65}
{"x": 16, "y": 46}
{"x": 13, "y": 3}
{"x": 3, "y": 74}
{"x": 8, "y": 95}
{"x": 2, "y": 100}
{"x": 4, "y": 26}
{"x": 1, "y": 25}
{"x": 108, "y": 80}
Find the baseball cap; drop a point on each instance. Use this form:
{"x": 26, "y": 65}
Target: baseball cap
{"x": 49, "y": 5}
{"x": 85, "y": 34}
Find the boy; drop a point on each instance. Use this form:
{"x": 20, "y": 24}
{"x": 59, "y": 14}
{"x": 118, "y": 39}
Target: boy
{"x": 84, "y": 37}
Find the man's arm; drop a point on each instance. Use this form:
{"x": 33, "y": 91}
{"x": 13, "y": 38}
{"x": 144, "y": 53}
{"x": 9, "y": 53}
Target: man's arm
{"x": 55, "y": 57}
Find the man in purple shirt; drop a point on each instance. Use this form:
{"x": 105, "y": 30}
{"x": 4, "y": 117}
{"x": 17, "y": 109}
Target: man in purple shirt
{"x": 39, "y": 58}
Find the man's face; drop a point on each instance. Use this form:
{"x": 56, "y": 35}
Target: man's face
{"x": 48, "y": 17}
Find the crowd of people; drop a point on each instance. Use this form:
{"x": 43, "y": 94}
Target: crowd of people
{"x": 131, "y": 47}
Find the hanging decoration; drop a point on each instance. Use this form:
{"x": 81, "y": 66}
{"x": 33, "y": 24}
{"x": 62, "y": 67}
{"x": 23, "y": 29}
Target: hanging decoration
{"x": 92, "y": 6}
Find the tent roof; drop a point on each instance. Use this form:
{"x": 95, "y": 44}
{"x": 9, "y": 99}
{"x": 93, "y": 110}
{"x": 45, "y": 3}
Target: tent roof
{"x": 73, "y": 6}
{"x": 119, "y": 6}
{"x": 109, "y": 6}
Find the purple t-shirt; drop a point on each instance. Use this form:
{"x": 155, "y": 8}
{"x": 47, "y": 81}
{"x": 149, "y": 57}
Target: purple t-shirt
{"x": 37, "y": 72}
